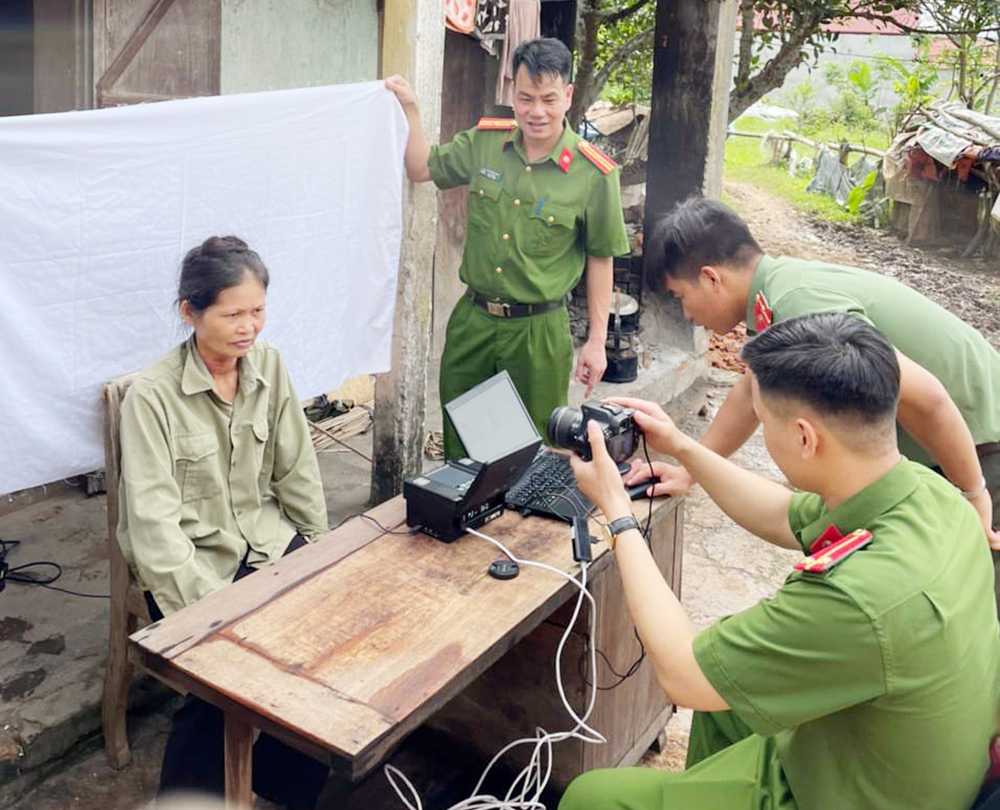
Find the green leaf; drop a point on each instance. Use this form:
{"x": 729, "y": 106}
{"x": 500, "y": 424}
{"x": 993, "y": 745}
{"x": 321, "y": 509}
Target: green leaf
{"x": 859, "y": 192}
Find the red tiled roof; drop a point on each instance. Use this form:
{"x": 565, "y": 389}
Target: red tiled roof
{"x": 855, "y": 25}
{"x": 942, "y": 45}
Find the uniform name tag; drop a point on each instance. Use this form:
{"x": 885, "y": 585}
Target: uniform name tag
{"x": 490, "y": 173}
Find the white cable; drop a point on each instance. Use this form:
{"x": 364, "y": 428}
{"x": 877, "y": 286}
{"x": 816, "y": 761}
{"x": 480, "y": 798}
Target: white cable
{"x": 526, "y": 790}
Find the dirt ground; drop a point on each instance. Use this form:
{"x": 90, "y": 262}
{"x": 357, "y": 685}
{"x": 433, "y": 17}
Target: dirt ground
{"x": 970, "y": 288}
{"x": 725, "y": 569}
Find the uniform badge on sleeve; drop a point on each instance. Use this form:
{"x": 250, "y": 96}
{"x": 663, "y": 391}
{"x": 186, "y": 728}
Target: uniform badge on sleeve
{"x": 828, "y": 552}
{"x": 762, "y": 315}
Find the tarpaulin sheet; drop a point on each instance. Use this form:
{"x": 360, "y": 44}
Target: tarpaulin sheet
{"x": 98, "y": 207}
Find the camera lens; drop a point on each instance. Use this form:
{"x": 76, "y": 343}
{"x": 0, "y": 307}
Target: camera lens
{"x": 560, "y": 426}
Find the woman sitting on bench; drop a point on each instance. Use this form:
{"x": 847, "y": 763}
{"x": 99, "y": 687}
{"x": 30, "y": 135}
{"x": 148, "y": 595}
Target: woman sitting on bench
{"x": 218, "y": 478}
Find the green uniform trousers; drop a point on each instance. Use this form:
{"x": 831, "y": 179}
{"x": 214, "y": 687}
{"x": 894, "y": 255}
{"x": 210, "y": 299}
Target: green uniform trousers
{"x": 536, "y": 350}
{"x": 728, "y": 768}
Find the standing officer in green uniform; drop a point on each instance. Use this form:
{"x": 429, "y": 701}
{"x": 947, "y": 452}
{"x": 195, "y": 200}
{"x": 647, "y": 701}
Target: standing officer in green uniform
{"x": 543, "y": 205}
{"x": 871, "y": 680}
{"x": 949, "y": 409}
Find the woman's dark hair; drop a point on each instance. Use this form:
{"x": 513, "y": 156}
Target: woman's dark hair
{"x": 545, "y": 56}
{"x": 697, "y": 232}
{"x": 834, "y": 363}
{"x": 216, "y": 264}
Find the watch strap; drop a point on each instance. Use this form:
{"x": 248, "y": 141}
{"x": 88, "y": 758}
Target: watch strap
{"x": 616, "y": 527}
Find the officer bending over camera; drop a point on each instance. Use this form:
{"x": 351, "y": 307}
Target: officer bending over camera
{"x": 870, "y": 679}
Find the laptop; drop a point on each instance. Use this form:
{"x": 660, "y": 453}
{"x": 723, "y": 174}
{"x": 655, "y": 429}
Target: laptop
{"x": 492, "y": 422}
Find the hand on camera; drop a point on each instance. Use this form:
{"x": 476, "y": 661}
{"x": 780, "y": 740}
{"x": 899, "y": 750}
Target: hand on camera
{"x": 671, "y": 478}
{"x": 599, "y": 479}
{"x": 661, "y": 433}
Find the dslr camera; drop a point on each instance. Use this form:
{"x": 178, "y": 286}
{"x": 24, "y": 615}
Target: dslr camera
{"x": 567, "y": 428}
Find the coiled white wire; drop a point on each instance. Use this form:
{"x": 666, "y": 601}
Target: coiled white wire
{"x": 526, "y": 789}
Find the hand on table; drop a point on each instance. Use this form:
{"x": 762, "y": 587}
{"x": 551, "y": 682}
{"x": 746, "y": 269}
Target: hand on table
{"x": 672, "y": 479}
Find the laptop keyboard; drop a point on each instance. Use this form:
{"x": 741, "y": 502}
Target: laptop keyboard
{"x": 549, "y": 487}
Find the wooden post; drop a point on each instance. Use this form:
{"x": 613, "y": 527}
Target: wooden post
{"x": 412, "y": 45}
{"x": 692, "y": 53}
{"x": 692, "y": 70}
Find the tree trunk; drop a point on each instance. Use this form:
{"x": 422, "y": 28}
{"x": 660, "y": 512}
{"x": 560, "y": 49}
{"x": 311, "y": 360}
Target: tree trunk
{"x": 590, "y": 19}
{"x": 773, "y": 74}
{"x": 746, "y": 44}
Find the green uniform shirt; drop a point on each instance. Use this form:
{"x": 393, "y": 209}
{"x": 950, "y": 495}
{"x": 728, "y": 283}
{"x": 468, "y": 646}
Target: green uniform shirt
{"x": 878, "y": 679}
{"x": 531, "y": 225}
{"x": 205, "y": 483}
{"x": 958, "y": 355}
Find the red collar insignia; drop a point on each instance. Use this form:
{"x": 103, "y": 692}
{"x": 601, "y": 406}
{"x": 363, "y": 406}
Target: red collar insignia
{"x": 565, "y": 159}
{"x": 762, "y": 315}
{"x": 834, "y": 552}
{"x": 831, "y": 534}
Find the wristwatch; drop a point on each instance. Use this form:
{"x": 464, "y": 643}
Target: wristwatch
{"x": 616, "y": 527}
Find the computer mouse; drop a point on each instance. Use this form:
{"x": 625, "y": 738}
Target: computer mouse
{"x": 640, "y": 489}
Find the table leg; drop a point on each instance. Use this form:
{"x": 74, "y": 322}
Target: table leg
{"x": 239, "y": 762}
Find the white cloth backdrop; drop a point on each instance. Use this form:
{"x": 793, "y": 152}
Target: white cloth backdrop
{"x": 98, "y": 207}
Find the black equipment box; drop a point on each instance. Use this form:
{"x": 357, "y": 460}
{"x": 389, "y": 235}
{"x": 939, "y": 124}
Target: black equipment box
{"x": 493, "y": 424}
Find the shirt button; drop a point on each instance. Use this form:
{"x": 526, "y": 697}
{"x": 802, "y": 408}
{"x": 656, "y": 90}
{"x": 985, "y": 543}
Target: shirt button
{"x": 498, "y": 270}
{"x": 528, "y": 169}
{"x": 481, "y": 192}
{"x": 506, "y": 237}
{"x": 517, "y": 201}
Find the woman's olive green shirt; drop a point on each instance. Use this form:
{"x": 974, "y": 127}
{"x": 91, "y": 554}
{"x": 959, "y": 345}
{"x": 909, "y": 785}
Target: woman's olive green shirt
{"x": 205, "y": 483}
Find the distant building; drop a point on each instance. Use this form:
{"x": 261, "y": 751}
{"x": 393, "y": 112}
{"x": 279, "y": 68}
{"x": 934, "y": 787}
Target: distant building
{"x": 870, "y": 40}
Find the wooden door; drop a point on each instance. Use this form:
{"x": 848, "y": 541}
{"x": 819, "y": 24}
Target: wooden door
{"x": 153, "y": 50}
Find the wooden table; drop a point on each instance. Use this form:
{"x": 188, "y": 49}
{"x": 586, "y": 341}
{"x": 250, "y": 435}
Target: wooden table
{"x": 349, "y": 644}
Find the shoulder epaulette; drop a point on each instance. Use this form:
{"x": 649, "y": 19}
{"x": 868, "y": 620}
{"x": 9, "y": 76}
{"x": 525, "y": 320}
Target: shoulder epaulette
{"x": 825, "y": 558}
{"x": 597, "y": 157}
{"x": 762, "y": 314}
{"x": 496, "y": 123}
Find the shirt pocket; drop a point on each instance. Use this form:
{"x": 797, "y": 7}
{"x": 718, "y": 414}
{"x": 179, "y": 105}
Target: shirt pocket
{"x": 551, "y": 231}
{"x": 197, "y": 458}
{"x": 262, "y": 452}
{"x": 484, "y": 201}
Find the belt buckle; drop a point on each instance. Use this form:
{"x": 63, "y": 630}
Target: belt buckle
{"x": 499, "y": 309}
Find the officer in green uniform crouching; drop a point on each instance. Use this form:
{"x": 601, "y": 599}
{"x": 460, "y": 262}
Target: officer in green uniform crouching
{"x": 543, "y": 204}
{"x": 949, "y": 406}
{"x": 872, "y": 678}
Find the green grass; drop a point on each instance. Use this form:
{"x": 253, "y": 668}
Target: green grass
{"x": 747, "y": 163}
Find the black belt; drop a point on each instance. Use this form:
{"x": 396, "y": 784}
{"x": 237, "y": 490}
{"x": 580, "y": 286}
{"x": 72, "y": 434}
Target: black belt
{"x": 501, "y": 309}
{"x": 988, "y": 449}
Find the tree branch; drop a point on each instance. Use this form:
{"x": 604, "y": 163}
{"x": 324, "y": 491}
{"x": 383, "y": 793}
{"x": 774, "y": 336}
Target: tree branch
{"x": 780, "y": 65}
{"x": 746, "y": 43}
{"x": 630, "y": 45}
{"x": 611, "y": 17}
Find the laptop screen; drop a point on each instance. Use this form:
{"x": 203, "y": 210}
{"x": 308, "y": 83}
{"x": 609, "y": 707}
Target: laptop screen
{"x": 491, "y": 419}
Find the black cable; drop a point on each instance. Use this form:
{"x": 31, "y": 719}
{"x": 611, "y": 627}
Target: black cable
{"x": 21, "y": 575}
{"x": 634, "y": 666}
{"x": 386, "y": 529}
{"x": 649, "y": 517}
